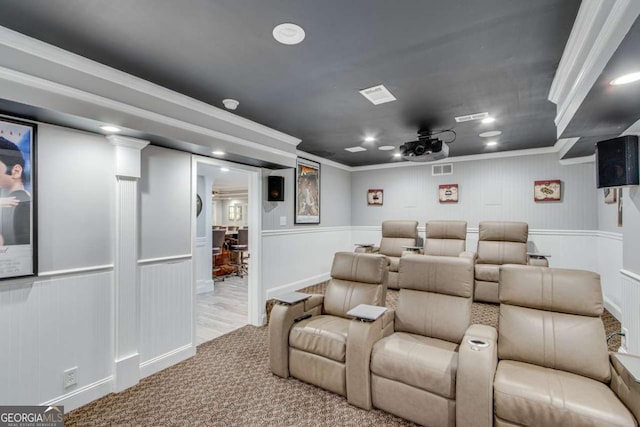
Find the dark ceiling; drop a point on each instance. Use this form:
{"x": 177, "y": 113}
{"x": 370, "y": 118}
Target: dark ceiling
{"x": 440, "y": 59}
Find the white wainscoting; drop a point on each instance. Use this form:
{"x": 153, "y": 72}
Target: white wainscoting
{"x": 203, "y": 264}
{"x": 166, "y": 314}
{"x": 609, "y": 265}
{"x": 50, "y": 325}
{"x": 299, "y": 257}
{"x": 630, "y": 309}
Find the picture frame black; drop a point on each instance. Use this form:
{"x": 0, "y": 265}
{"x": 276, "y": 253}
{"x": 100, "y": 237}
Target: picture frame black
{"x": 18, "y": 198}
{"x": 307, "y": 192}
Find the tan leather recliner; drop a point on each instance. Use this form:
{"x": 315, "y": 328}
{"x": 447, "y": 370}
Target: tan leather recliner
{"x": 329, "y": 349}
{"x": 414, "y": 371}
{"x": 445, "y": 238}
{"x": 499, "y": 242}
{"x": 395, "y": 235}
{"x": 554, "y": 368}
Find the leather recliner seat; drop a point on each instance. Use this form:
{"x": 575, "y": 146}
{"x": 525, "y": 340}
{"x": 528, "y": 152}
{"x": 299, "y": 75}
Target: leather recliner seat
{"x": 395, "y": 235}
{"x": 414, "y": 371}
{"x": 318, "y": 349}
{"x": 499, "y": 242}
{"x": 554, "y": 368}
{"x": 445, "y": 238}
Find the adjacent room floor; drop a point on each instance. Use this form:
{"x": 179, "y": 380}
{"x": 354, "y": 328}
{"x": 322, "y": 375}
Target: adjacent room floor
{"x": 222, "y": 310}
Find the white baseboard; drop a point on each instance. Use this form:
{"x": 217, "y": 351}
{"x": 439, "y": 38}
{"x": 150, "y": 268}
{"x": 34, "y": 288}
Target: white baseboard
{"x": 294, "y": 286}
{"x": 203, "y": 286}
{"x": 127, "y": 372}
{"x": 163, "y": 361}
{"x": 83, "y": 395}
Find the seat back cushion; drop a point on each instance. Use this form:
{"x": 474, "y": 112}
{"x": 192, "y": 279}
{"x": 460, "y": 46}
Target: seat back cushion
{"x": 502, "y": 242}
{"x": 445, "y": 238}
{"x": 435, "y": 296}
{"x": 551, "y": 318}
{"x": 396, "y": 234}
{"x": 359, "y": 267}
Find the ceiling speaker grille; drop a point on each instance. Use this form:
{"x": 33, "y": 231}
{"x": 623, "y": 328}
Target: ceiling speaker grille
{"x": 443, "y": 169}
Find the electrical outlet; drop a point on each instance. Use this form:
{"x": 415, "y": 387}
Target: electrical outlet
{"x": 70, "y": 377}
{"x": 283, "y": 220}
{"x": 624, "y": 339}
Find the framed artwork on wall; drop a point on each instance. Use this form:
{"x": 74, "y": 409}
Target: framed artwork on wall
{"x": 375, "y": 197}
{"x": 547, "y": 191}
{"x": 610, "y": 195}
{"x": 18, "y": 255}
{"x": 307, "y": 192}
{"x": 448, "y": 193}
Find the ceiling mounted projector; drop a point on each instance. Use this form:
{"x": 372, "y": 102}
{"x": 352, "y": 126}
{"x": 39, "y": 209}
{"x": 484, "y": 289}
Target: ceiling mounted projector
{"x": 425, "y": 149}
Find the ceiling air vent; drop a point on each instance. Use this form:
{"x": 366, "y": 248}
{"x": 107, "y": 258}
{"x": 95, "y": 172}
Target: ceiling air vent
{"x": 443, "y": 169}
{"x": 378, "y": 94}
{"x": 468, "y": 118}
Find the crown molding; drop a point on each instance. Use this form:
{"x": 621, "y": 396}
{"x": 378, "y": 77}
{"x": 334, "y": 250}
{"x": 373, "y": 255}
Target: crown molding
{"x": 578, "y": 160}
{"x": 600, "y": 27}
{"x": 324, "y": 161}
{"x": 56, "y": 55}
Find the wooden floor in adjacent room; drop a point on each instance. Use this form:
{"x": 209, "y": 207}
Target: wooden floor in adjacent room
{"x": 222, "y": 310}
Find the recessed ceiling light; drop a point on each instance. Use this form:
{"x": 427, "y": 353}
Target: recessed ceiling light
{"x": 488, "y": 120}
{"x": 110, "y": 128}
{"x": 490, "y": 133}
{"x": 386, "y": 147}
{"x": 369, "y": 139}
{"x": 288, "y": 33}
{"x": 218, "y": 153}
{"x": 492, "y": 144}
{"x": 355, "y": 149}
{"x": 230, "y": 104}
{"x": 224, "y": 169}
{"x": 397, "y": 154}
{"x": 627, "y": 78}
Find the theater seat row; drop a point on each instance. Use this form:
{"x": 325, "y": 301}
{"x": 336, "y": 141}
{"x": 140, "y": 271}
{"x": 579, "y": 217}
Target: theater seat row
{"x": 499, "y": 242}
{"x": 547, "y": 365}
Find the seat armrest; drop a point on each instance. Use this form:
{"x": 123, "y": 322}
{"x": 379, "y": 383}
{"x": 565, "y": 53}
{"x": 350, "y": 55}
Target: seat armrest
{"x": 314, "y": 304}
{"x": 477, "y": 361}
{"x": 537, "y": 260}
{"x": 624, "y": 375}
{"x": 360, "y": 340}
{"x": 280, "y": 322}
{"x": 468, "y": 254}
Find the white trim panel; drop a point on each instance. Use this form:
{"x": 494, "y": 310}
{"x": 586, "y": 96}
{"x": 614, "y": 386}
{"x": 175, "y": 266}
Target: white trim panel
{"x": 165, "y": 259}
{"x": 92, "y": 269}
{"x": 163, "y": 361}
{"x": 83, "y": 395}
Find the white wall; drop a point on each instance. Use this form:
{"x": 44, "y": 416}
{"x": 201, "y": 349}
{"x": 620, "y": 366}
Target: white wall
{"x": 295, "y": 256}
{"x": 496, "y": 189}
{"x": 166, "y": 287}
{"x": 224, "y": 204}
{"x": 63, "y": 318}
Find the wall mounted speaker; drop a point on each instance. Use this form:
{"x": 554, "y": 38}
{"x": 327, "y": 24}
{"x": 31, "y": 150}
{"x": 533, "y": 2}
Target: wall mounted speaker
{"x": 617, "y": 162}
{"x": 275, "y": 189}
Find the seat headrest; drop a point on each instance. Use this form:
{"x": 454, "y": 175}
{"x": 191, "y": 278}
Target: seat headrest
{"x": 446, "y": 230}
{"x": 405, "y": 229}
{"x": 439, "y": 274}
{"x": 552, "y": 289}
{"x": 504, "y": 231}
{"x": 359, "y": 267}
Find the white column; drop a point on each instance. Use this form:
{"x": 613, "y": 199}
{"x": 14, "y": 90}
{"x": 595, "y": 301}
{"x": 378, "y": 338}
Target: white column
{"x": 127, "y": 282}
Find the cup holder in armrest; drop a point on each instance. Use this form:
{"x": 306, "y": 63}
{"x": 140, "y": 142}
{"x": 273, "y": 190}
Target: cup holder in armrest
{"x": 477, "y": 343}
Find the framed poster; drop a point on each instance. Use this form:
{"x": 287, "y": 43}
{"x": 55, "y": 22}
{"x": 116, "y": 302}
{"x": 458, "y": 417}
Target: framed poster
{"x": 17, "y": 191}
{"x": 374, "y": 197}
{"x": 547, "y": 191}
{"x": 307, "y": 192}
{"x": 448, "y": 193}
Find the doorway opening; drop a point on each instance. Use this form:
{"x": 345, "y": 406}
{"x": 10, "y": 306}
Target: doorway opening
{"x": 227, "y": 230}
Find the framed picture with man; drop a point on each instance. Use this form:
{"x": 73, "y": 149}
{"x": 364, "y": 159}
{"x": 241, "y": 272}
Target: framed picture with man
{"x": 17, "y": 206}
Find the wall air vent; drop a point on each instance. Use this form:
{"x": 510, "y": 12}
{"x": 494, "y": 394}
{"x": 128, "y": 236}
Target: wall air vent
{"x": 468, "y": 118}
{"x": 378, "y": 95}
{"x": 443, "y": 169}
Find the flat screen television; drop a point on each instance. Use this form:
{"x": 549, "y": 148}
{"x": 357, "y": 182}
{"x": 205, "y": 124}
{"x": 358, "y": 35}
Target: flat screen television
{"x": 617, "y": 162}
